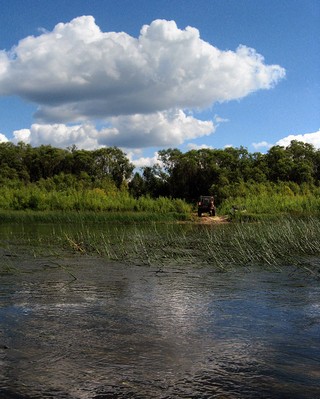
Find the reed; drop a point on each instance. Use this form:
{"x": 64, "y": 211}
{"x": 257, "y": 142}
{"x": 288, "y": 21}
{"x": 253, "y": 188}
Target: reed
{"x": 287, "y": 242}
{"x": 156, "y": 240}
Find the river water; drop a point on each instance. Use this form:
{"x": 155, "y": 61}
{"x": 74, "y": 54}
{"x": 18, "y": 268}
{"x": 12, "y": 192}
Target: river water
{"x": 85, "y": 327}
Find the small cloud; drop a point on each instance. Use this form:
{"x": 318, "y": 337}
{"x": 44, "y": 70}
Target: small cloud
{"x": 59, "y": 135}
{"x": 3, "y": 138}
{"x": 193, "y": 146}
{"x": 162, "y": 129}
{"x": 144, "y": 161}
{"x": 218, "y": 119}
{"x": 310, "y": 138}
{"x": 261, "y": 144}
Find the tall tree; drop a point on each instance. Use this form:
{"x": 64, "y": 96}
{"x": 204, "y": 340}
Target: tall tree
{"x": 279, "y": 163}
{"x": 112, "y": 162}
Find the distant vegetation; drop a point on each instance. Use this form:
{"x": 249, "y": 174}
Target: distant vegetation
{"x": 284, "y": 180}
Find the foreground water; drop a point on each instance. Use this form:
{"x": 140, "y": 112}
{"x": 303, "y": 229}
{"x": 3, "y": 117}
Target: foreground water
{"x": 86, "y": 327}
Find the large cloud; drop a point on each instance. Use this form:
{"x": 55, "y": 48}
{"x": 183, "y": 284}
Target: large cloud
{"x": 77, "y": 73}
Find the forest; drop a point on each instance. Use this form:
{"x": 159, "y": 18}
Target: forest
{"x": 46, "y": 177}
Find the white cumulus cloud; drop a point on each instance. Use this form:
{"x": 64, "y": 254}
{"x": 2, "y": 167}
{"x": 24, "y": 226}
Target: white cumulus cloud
{"x": 59, "y": 135}
{"x": 143, "y": 161}
{"x": 194, "y": 146}
{"x": 310, "y": 138}
{"x": 3, "y": 138}
{"x": 163, "y": 128}
{"x": 77, "y": 73}
{"x": 132, "y": 131}
{"x": 261, "y": 144}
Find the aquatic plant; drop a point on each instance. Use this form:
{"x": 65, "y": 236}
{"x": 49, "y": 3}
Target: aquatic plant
{"x": 289, "y": 241}
{"x": 275, "y": 244}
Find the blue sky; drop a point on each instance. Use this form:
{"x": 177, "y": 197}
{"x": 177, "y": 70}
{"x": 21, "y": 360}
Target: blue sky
{"x": 165, "y": 85}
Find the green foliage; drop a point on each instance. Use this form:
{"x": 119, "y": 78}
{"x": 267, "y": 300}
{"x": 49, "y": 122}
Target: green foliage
{"x": 270, "y": 198}
{"x": 25, "y": 163}
{"x": 227, "y": 173}
{"x": 110, "y": 199}
{"x": 284, "y": 180}
{"x": 112, "y": 162}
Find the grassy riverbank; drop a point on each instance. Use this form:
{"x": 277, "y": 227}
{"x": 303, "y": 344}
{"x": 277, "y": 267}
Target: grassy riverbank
{"x": 91, "y": 217}
{"x": 256, "y": 201}
{"x": 287, "y": 232}
{"x": 260, "y": 203}
{"x": 31, "y": 204}
{"x": 33, "y": 198}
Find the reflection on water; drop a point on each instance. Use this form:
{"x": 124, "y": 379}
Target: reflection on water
{"x": 130, "y": 331}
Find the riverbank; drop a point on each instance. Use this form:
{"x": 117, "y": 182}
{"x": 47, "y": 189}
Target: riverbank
{"x": 133, "y": 217}
{"x": 29, "y": 216}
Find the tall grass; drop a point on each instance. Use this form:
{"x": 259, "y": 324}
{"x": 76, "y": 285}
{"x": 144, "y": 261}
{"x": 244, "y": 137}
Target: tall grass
{"x": 273, "y": 204}
{"x": 259, "y": 200}
{"x": 96, "y": 200}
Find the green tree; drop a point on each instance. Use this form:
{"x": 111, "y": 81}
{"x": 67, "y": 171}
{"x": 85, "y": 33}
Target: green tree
{"x": 45, "y": 161}
{"x": 155, "y": 181}
{"x": 279, "y": 163}
{"x": 303, "y": 157}
{"x": 137, "y": 186}
{"x": 112, "y": 162}
{"x": 81, "y": 161}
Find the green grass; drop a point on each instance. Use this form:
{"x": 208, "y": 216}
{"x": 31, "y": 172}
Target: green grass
{"x": 259, "y": 200}
{"x": 33, "y": 198}
{"x": 259, "y": 206}
{"x": 29, "y": 216}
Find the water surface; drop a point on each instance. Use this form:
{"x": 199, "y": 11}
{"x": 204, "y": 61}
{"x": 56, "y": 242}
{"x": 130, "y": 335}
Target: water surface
{"x": 85, "y": 327}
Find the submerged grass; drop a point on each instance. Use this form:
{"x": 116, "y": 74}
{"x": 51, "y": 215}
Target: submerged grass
{"x": 287, "y": 242}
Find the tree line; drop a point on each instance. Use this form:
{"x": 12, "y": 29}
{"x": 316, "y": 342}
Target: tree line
{"x": 47, "y": 165}
{"x": 220, "y": 172}
{"x": 226, "y": 172}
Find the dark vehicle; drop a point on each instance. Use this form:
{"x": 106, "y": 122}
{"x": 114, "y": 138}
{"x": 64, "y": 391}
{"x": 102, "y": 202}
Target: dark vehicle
{"x": 206, "y": 204}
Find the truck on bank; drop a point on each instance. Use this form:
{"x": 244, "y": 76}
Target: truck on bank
{"x": 206, "y": 205}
